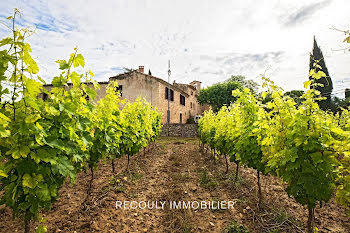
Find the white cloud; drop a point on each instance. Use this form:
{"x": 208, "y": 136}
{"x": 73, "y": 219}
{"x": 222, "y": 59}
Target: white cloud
{"x": 205, "y": 40}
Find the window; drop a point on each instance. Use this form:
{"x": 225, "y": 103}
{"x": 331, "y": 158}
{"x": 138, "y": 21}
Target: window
{"x": 182, "y": 100}
{"x": 171, "y": 95}
{"x": 191, "y": 104}
{"x": 180, "y": 118}
{"x": 191, "y": 92}
{"x": 45, "y": 96}
{"x": 120, "y": 89}
{"x": 167, "y": 93}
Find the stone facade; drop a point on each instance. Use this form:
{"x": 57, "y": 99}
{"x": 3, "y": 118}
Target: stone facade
{"x": 136, "y": 84}
{"x": 180, "y": 130}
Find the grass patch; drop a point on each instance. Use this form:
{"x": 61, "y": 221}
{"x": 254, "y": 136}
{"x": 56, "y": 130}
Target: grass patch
{"x": 117, "y": 183}
{"x": 235, "y": 227}
{"x": 207, "y": 181}
{"x": 281, "y": 216}
{"x": 134, "y": 177}
{"x": 230, "y": 179}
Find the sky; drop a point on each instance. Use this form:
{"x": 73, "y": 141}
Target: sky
{"x": 204, "y": 40}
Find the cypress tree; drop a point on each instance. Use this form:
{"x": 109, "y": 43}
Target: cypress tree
{"x": 326, "y": 90}
{"x": 347, "y": 93}
{"x": 149, "y": 72}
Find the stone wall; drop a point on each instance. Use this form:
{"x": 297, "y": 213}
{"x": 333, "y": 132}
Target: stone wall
{"x": 180, "y": 130}
{"x": 137, "y": 85}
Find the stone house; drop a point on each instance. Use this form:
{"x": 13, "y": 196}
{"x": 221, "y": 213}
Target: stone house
{"x": 134, "y": 84}
{"x": 182, "y": 97}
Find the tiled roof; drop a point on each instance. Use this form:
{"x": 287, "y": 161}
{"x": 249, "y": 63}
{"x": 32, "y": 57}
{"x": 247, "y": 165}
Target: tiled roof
{"x": 126, "y": 75}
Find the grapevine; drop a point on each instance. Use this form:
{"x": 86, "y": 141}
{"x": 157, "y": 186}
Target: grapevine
{"x": 44, "y": 141}
{"x": 305, "y": 146}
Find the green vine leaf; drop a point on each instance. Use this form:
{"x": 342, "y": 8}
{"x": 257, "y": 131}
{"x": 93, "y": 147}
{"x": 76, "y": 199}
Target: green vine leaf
{"x": 79, "y": 61}
{"x": 62, "y": 64}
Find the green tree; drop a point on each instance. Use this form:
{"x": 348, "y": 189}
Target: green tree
{"x": 149, "y": 72}
{"x": 219, "y": 94}
{"x": 247, "y": 83}
{"x": 339, "y": 104}
{"x": 295, "y": 95}
{"x": 323, "y": 84}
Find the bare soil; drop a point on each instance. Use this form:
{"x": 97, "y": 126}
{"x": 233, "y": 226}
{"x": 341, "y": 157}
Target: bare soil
{"x": 174, "y": 169}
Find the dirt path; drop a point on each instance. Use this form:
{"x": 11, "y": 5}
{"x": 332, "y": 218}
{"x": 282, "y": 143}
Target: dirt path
{"x": 175, "y": 170}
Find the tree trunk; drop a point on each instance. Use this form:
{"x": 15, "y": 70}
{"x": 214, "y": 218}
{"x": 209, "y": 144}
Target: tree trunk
{"x": 113, "y": 168}
{"x": 91, "y": 179}
{"x": 144, "y": 152}
{"x": 259, "y": 190}
{"x": 236, "y": 177}
{"x": 311, "y": 220}
{"x": 226, "y": 164}
{"x": 26, "y": 224}
{"x": 213, "y": 151}
{"x": 127, "y": 166}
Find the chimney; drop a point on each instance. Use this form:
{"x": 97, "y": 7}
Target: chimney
{"x": 141, "y": 69}
{"x": 196, "y": 84}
